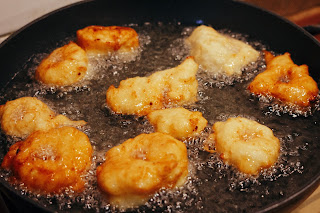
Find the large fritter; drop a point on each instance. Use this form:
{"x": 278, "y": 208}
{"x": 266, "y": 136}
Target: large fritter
{"x": 219, "y": 53}
{"x": 141, "y": 95}
{"x": 245, "y": 144}
{"x": 139, "y": 167}
{"x": 51, "y": 161}
{"x": 64, "y": 66}
{"x": 25, "y": 115}
{"x": 285, "y": 81}
{"x": 104, "y": 40}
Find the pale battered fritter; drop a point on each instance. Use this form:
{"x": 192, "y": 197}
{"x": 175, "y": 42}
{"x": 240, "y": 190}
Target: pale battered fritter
{"x": 103, "y": 40}
{"x": 285, "y": 81}
{"x": 51, "y": 161}
{"x": 141, "y": 95}
{"x": 64, "y": 66}
{"x": 178, "y": 122}
{"x": 219, "y": 53}
{"x": 245, "y": 144}
{"x": 139, "y": 167}
{"x": 25, "y": 115}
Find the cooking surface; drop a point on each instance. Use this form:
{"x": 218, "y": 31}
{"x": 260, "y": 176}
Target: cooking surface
{"x": 17, "y": 13}
{"x": 309, "y": 202}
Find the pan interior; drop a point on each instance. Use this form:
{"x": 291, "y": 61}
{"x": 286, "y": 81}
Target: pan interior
{"x": 211, "y": 184}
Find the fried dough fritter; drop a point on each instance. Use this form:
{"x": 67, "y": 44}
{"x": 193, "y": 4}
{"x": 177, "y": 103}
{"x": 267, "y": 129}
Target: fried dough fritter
{"x": 64, "y": 66}
{"x": 245, "y": 144}
{"x": 102, "y": 40}
{"x": 219, "y": 53}
{"x": 141, "y": 95}
{"x": 178, "y": 122}
{"x": 25, "y": 115}
{"x": 140, "y": 166}
{"x": 285, "y": 81}
{"x": 51, "y": 161}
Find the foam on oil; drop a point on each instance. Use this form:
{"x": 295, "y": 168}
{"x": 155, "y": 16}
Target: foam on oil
{"x": 211, "y": 183}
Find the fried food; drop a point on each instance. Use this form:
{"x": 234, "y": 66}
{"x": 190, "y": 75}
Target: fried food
{"x": 140, "y": 166}
{"x": 64, "y": 66}
{"x": 102, "y": 40}
{"x": 285, "y": 81}
{"x": 141, "y": 95}
{"x": 178, "y": 122}
{"x": 245, "y": 144}
{"x": 51, "y": 161}
{"x": 220, "y": 54}
{"x": 25, "y": 115}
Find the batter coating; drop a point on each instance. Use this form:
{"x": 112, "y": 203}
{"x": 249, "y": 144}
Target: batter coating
{"x": 140, "y": 166}
{"x": 50, "y": 161}
{"x": 25, "y": 115}
{"x": 64, "y": 66}
{"x": 102, "y": 40}
{"x": 178, "y": 122}
{"x": 246, "y": 144}
{"x": 220, "y": 54}
{"x": 285, "y": 81}
{"x": 141, "y": 95}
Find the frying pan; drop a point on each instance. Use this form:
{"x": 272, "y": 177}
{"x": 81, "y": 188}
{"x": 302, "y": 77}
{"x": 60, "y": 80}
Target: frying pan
{"x": 277, "y": 34}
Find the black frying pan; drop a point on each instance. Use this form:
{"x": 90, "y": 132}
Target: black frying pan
{"x": 277, "y": 34}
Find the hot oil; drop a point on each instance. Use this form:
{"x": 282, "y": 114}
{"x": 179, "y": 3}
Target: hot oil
{"x": 211, "y": 183}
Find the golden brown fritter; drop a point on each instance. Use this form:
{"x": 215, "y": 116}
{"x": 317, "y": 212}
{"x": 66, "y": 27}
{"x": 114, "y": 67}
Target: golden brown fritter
{"x": 103, "y": 40}
{"x": 64, "y": 66}
{"x": 245, "y": 144}
{"x": 285, "y": 81}
{"x": 51, "y": 161}
{"x": 25, "y": 115}
{"x": 178, "y": 122}
{"x": 141, "y": 95}
{"x": 219, "y": 53}
{"x": 139, "y": 167}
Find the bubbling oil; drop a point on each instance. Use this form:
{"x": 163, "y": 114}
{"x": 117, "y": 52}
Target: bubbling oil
{"x": 211, "y": 184}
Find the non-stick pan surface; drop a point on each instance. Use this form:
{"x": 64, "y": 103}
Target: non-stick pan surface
{"x": 213, "y": 187}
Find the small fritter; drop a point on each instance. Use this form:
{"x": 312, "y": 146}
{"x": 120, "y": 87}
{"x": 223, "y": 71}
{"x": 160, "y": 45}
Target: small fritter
{"x": 178, "y": 122}
{"x": 25, "y": 115}
{"x": 136, "y": 169}
{"x": 50, "y": 161}
{"x": 64, "y": 66}
{"x": 220, "y": 54}
{"x": 103, "y": 40}
{"x": 245, "y": 144}
{"x": 285, "y": 81}
{"x": 141, "y": 95}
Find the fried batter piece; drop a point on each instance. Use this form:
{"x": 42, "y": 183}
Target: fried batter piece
{"x": 285, "y": 81}
{"x": 141, "y": 95}
{"x": 25, "y": 115}
{"x": 64, "y": 66}
{"x": 102, "y": 40}
{"x": 178, "y": 122}
{"x": 140, "y": 166}
{"x": 50, "y": 161}
{"x": 245, "y": 144}
{"x": 220, "y": 54}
